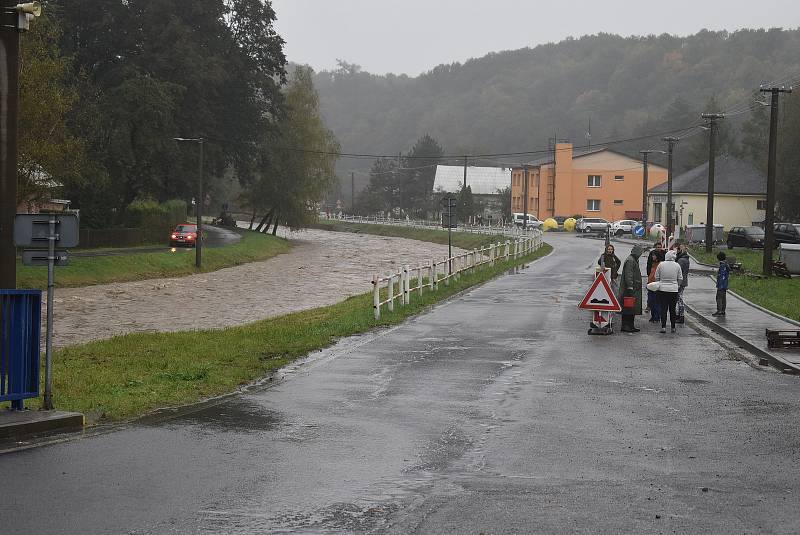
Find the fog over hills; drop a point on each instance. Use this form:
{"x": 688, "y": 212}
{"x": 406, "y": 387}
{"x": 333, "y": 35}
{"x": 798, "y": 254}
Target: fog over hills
{"x": 515, "y": 100}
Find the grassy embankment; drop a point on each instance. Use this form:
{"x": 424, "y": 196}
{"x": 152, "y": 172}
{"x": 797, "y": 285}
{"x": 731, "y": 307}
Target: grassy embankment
{"x": 130, "y": 375}
{"x": 84, "y": 271}
{"x": 777, "y": 294}
{"x": 463, "y": 240}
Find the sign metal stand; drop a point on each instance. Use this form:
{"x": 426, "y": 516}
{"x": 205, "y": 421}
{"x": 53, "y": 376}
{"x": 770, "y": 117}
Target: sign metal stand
{"x": 602, "y": 302}
{"x": 31, "y": 230}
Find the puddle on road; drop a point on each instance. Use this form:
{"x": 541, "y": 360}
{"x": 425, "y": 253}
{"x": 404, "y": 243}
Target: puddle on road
{"x": 232, "y": 415}
{"x": 694, "y": 381}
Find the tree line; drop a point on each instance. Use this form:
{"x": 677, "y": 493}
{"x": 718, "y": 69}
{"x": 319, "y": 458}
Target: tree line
{"x": 107, "y": 86}
{"x": 627, "y": 87}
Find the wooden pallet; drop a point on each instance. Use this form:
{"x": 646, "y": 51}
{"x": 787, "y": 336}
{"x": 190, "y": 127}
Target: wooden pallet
{"x": 783, "y": 339}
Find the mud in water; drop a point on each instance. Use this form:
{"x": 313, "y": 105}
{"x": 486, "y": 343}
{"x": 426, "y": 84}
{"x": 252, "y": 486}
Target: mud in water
{"x": 323, "y": 268}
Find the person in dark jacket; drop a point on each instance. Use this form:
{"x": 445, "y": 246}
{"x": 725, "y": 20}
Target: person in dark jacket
{"x": 611, "y": 261}
{"x": 683, "y": 261}
{"x": 723, "y": 274}
{"x": 656, "y": 255}
{"x": 631, "y": 286}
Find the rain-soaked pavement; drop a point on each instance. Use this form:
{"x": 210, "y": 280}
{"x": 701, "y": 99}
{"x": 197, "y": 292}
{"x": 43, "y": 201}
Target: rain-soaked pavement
{"x": 492, "y": 413}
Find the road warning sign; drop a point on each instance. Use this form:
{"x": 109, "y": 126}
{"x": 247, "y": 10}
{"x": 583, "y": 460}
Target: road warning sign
{"x": 600, "y": 297}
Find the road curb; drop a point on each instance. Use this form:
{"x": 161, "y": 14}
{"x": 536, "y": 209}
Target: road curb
{"x": 17, "y": 425}
{"x": 774, "y": 360}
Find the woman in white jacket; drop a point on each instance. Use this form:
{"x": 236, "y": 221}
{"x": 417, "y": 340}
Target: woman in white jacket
{"x": 670, "y": 277}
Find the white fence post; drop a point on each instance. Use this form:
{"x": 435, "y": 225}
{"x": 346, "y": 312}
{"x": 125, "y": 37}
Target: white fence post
{"x": 419, "y": 280}
{"x": 390, "y": 290}
{"x": 406, "y": 286}
{"x": 376, "y": 297}
{"x": 433, "y": 275}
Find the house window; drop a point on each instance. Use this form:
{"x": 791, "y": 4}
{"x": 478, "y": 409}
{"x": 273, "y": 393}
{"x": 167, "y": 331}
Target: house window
{"x": 619, "y": 177}
{"x": 618, "y": 202}
{"x": 594, "y": 181}
{"x": 593, "y": 205}
{"x": 761, "y": 205}
{"x": 657, "y": 211}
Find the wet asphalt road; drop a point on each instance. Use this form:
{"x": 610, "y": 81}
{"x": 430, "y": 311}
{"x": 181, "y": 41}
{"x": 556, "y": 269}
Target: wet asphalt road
{"x": 493, "y": 413}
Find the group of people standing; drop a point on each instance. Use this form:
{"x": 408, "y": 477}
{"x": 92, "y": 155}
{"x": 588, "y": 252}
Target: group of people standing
{"x": 667, "y": 275}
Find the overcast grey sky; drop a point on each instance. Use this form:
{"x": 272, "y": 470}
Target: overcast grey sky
{"x": 412, "y": 36}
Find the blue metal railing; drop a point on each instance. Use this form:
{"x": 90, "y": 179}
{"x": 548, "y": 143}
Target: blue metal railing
{"x": 20, "y": 332}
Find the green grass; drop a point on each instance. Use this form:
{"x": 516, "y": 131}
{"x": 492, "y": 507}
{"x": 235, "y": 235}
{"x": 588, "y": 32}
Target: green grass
{"x": 463, "y": 240}
{"x": 750, "y": 258}
{"x": 777, "y": 294}
{"x": 85, "y": 271}
{"x": 129, "y": 375}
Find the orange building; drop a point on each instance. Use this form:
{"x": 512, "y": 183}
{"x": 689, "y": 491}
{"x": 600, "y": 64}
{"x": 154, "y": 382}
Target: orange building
{"x": 595, "y": 183}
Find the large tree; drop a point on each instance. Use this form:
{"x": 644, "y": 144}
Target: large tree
{"x": 49, "y": 153}
{"x": 418, "y": 175}
{"x": 158, "y": 69}
{"x": 296, "y": 168}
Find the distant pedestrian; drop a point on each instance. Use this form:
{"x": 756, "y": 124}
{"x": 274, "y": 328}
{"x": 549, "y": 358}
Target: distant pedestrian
{"x": 683, "y": 260}
{"x": 631, "y": 288}
{"x": 723, "y": 274}
{"x": 653, "y": 304}
{"x": 611, "y": 261}
{"x": 669, "y": 275}
{"x": 656, "y": 255}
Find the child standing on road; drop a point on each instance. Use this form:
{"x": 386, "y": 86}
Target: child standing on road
{"x": 723, "y": 275}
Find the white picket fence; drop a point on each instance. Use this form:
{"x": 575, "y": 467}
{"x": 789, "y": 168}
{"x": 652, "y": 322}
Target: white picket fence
{"x": 403, "y": 283}
{"x": 432, "y": 225}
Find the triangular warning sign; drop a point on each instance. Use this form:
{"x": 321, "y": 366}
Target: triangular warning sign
{"x": 600, "y": 297}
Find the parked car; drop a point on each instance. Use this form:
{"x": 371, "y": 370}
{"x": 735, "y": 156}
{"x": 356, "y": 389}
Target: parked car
{"x": 750, "y": 237}
{"x": 592, "y": 224}
{"x": 623, "y": 226}
{"x": 787, "y": 233}
{"x": 560, "y": 220}
{"x": 533, "y": 221}
{"x": 184, "y": 234}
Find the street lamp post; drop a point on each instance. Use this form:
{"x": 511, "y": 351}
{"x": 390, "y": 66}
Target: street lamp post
{"x": 645, "y": 154}
{"x": 198, "y": 243}
{"x": 670, "y": 216}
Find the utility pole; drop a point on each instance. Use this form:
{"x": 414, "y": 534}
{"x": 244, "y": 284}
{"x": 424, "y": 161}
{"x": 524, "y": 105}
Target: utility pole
{"x": 645, "y": 178}
{"x": 9, "y": 120}
{"x": 670, "y": 150}
{"x": 465, "y": 172}
{"x": 198, "y": 245}
{"x": 712, "y": 159}
{"x": 352, "y": 192}
{"x": 525, "y": 200}
{"x": 769, "y": 218}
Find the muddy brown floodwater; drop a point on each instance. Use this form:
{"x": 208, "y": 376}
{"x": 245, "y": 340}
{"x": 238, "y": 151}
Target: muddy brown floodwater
{"x": 322, "y": 268}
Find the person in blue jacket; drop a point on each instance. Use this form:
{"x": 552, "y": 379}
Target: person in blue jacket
{"x": 723, "y": 274}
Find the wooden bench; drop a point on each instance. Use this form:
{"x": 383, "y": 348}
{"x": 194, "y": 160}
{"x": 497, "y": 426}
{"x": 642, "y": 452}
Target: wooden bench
{"x": 783, "y": 339}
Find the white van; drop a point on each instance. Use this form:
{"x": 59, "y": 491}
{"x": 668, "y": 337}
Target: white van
{"x": 533, "y": 222}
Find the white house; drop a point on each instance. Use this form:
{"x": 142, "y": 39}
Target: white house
{"x": 740, "y": 193}
{"x": 486, "y": 184}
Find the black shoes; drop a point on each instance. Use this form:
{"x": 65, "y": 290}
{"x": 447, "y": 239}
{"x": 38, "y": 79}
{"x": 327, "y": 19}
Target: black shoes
{"x": 718, "y": 313}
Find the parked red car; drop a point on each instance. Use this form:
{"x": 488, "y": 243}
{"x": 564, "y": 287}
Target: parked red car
{"x": 184, "y": 234}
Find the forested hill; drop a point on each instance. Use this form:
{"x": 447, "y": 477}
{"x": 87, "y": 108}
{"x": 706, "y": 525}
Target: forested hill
{"x": 516, "y": 100}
